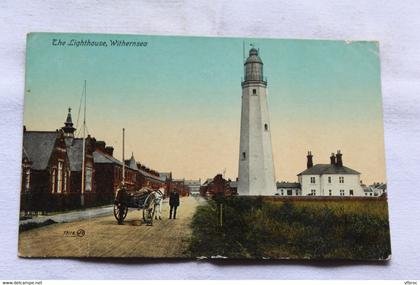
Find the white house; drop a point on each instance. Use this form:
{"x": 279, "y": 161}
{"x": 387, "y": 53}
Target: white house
{"x": 288, "y": 189}
{"x": 379, "y": 189}
{"x": 375, "y": 190}
{"x": 333, "y": 179}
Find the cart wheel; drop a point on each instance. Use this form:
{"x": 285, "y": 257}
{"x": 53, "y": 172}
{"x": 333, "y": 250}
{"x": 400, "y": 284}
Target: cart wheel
{"x": 120, "y": 212}
{"x": 149, "y": 209}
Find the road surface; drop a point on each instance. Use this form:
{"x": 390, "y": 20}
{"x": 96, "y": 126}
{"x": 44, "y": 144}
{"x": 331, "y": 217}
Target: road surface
{"x": 103, "y": 237}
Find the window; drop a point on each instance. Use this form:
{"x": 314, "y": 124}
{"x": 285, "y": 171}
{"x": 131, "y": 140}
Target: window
{"x": 60, "y": 177}
{"x": 329, "y": 179}
{"x": 65, "y": 182}
{"x": 365, "y": 194}
{"x": 243, "y": 156}
{"x": 312, "y": 179}
{"x": 266, "y": 127}
{"x": 289, "y": 193}
{"x": 27, "y": 182}
{"x": 53, "y": 181}
{"x": 297, "y": 192}
{"x": 282, "y": 192}
{"x": 88, "y": 178}
{"x": 341, "y": 179}
{"x": 341, "y": 192}
{"x": 313, "y": 192}
{"x": 330, "y": 192}
{"x": 254, "y": 91}
{"x": 351, "y": 192}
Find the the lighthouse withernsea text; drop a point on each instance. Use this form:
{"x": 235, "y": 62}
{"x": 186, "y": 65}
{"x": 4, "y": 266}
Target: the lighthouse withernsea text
{"x": 97, "y": 43}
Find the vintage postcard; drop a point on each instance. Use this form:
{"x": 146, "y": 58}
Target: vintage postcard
{"x": 201, "y": 147}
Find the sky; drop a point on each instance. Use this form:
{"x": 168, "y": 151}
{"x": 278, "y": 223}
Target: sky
{"x": 179, "y": 99}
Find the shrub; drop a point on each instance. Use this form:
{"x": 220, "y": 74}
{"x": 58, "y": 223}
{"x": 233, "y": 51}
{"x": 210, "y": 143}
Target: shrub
{"x": 254, "y": 228}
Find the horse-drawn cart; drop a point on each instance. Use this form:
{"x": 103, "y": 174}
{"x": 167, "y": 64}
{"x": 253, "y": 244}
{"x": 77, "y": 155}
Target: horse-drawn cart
{"x": 143, "y": 199}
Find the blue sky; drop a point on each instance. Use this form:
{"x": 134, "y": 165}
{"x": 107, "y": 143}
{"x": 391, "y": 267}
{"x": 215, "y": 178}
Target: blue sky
{"x": 179, "y": 99}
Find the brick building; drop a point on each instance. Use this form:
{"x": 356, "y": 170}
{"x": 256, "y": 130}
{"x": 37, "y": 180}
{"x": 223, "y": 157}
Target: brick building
{"x": 181, "y": 187}
{"x": 218, "y": 186}
{"x": 167, "y": 177}
{"x": 108, "y": 172}
{"x": 52, "y": 170}
{"x": 109, "y": 176}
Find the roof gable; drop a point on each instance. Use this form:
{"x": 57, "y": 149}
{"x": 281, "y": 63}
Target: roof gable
{"x": 321, "y": 169}
{"x": 132, "y": 163}
{"x": 75, "y": 153}
{"x": 100, "y": 157}
{"x": 39, "y": 147}
{"x": 288, "y": 185}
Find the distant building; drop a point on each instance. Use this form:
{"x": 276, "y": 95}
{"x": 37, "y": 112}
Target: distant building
{"x": 375, "y": 190}
{"x": 180, "y": 186}
{"x": 333, "y": 179}
{"x": 218, "y": 186}
{"x": 109, "y": 174}
{"x": 288, "y": 189}
{"x": 233, "y": 187}
{"x": 193, "y": 186}
{"x": 167, "y": 177}
{"x": 367, "y": 190}
{"x": 379, "y": 189}
{"x": 150, "y": 177}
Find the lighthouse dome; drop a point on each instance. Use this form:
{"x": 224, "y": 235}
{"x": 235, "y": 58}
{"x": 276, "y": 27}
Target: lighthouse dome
{"x": 253, "y": 66}
{"x": 253, "y": 56}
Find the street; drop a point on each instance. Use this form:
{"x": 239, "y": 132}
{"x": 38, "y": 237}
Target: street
{"x": 103, "y": 237}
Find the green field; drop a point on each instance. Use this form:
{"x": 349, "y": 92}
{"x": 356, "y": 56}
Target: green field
{"x": 255, "y": 227}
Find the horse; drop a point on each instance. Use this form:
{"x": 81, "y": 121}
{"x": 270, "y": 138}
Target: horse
{"x": 158, "y": 202}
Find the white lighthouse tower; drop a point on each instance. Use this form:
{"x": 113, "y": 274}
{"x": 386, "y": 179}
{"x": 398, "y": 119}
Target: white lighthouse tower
{"x": 256, "y": 167}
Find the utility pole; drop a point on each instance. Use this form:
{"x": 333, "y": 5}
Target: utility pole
{"x": 123, "y": 160}
{"x": 82, "y": 190}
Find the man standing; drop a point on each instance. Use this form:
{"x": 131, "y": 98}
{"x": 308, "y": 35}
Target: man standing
{"x": 173, "y": 203}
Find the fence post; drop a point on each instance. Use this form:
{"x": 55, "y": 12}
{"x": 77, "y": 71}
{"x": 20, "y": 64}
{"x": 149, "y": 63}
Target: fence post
{"x": 221, "y": 215}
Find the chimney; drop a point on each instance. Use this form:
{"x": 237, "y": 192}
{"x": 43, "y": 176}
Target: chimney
{"x": 339, "y": 159}
{"x": 332, "y": 159}
{"x": 109, "y": 150}
{"x": 100, "y": 145}
{"x": 309, "y": 163}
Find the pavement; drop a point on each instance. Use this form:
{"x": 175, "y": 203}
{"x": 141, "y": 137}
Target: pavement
{"x": 72, "y": 215}
{"x": 103, "y": 237}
